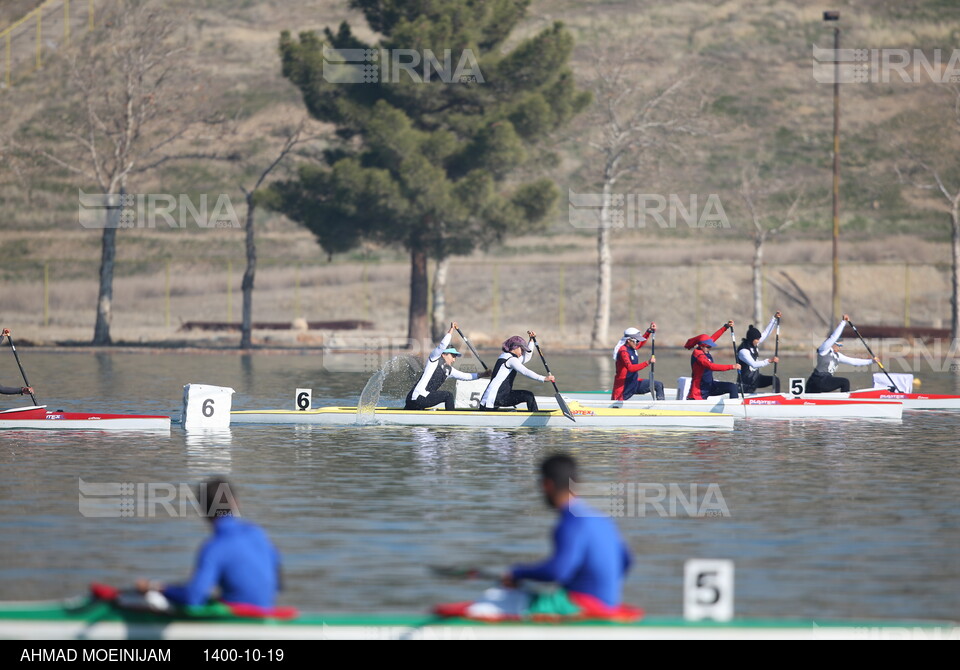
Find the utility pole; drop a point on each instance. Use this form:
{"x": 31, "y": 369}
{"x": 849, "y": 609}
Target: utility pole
{"x": 835, "y": 16}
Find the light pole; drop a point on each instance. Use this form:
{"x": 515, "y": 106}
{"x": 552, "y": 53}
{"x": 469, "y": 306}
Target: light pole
{"x": 835, "y": 16}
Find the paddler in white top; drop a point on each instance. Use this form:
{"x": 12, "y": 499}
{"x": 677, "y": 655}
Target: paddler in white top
{"x": 748, "y": 355}
{"x": 500, "y": 391}
{"x": 439, "y": 366}
{"x": 828, "y": 358}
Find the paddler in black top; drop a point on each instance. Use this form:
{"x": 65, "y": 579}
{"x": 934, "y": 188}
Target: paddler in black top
{"x": 14, "y": 390}
{"x": 439, "y": 366}
{"x": 748, "y": 355}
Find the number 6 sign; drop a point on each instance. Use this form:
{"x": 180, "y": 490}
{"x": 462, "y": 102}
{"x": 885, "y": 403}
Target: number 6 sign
{"x": 303, "y": 399}
{"x": 708, "y": 590}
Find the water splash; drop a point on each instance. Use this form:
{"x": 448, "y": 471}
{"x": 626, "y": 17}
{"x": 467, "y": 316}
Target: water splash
{"x": 397, "y": 376}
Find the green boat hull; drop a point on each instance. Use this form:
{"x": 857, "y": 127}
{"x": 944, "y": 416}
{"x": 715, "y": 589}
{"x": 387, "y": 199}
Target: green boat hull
{"x": 90, "y": 619}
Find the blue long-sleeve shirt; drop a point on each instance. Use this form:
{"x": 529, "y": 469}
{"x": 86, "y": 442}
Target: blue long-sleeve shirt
{"x": 589, "y": 555}
{"x": 240, "y": 559}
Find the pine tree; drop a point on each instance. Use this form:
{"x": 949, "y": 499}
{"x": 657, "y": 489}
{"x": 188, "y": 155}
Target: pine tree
{"x": 427, "y": 155}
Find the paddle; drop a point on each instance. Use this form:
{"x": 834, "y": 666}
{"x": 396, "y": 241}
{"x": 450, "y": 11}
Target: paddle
{"x": 894, "y": 387}
{"x": 22, "y": 373}
{"x": 476, "y": 355}
{"x": 560, "y": 401}
{"x": 653, "y": 354}
{"x": 460, "y": 572}
{"x": 733, "y": 337}
{"x": 776, "y": 354}
{"x": 469, "y": 573}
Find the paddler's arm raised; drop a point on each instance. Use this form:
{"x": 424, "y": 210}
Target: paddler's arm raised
{"x": 13, "y": 390}
{"x": 834, "y": 336}
{"x": 716, "y": 336}
{"x": 652, "y": 328}
{"x": 526, "y": 355}
{"x": 769, "y": 328}
{"x": 444, "y": 343}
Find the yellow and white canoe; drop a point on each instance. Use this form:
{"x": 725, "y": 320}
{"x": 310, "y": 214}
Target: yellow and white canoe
{"x": 587, "y": 417}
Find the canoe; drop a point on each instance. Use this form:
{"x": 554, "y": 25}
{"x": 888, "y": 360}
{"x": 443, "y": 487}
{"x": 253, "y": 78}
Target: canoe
{"x": 38, "y": 417}
{"x": 90, "y": 618}
{"x": 910, "y": 401}
{"x": 765, "y": 406}
{"x": 593, "y": 417}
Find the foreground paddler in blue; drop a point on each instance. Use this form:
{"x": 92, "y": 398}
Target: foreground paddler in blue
{"x": 439, "y": 366}
{"x": 589, "y": 563}
{"x": 238, "y": 558}
{"x": 500, "y": 392}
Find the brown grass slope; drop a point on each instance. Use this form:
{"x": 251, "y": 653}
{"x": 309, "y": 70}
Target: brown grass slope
{"x": 755, "y": 75}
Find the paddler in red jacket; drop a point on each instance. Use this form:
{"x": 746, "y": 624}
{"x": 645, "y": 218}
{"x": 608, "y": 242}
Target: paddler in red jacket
{"x": 626, "y": 381}
{"x": 703, "y": 384}
{"x": 14, "y": 390}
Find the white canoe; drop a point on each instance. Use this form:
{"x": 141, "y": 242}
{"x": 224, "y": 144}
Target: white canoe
{"x": 593, "y": 417}
{"x": 38, "y": 417}
{"x": 766, "y": 406}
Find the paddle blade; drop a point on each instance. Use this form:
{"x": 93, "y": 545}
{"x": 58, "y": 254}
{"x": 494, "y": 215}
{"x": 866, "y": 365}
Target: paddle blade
{"x": 564, "y": 408}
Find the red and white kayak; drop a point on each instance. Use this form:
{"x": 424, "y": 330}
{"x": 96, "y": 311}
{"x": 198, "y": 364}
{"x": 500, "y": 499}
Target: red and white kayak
{"x": 782, "y": 406}
{"x": 910, "y": 401}
{"x": 38, "y": 417}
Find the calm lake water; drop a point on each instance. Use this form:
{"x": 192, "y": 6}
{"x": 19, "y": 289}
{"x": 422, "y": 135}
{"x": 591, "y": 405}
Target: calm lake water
{"x": 822, "y": 519}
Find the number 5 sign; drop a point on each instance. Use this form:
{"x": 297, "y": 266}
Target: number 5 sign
{"x": 708, "y": 590}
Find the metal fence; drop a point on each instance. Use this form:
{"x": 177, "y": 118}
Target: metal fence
{"x": 495, "y": 295}
{"x": 41, "y": 32}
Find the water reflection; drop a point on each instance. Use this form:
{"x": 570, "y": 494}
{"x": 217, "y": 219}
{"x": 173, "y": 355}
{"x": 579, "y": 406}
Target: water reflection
{"x": 840, "y": 518}
{"x": 105, "y": 370}
{"x": 209, "y": 450}
{"x": 246, "y": 367}
{"x": 604, "y": 372}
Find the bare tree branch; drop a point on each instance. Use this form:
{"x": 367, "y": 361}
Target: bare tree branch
{"x": 127, "y": 110}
